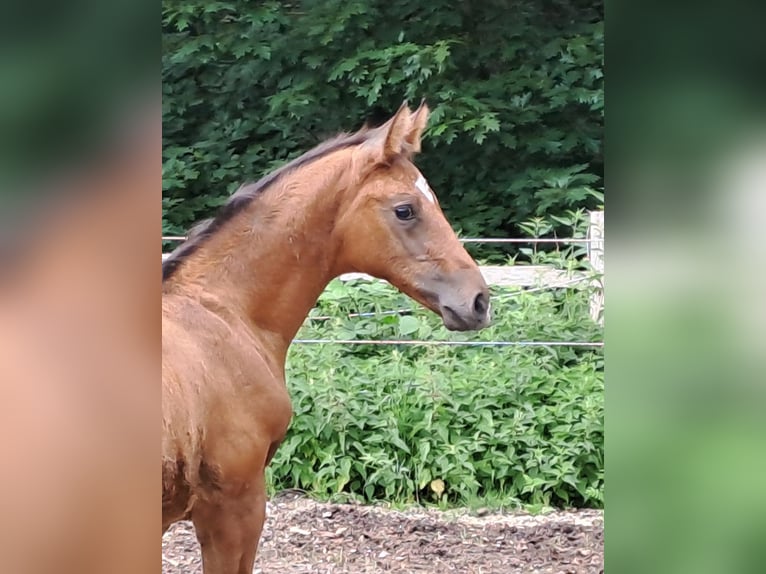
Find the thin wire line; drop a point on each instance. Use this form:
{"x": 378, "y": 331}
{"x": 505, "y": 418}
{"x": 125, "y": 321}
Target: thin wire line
{"x": 474, "y": 239}
{"x": 365, "y": 314}
{"x": 401, "y": 311}
{"x": 449, "y": 343}
{"x": 526, "y": 240}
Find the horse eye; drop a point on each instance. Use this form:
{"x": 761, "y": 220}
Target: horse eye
{"x": 404, "y": 212}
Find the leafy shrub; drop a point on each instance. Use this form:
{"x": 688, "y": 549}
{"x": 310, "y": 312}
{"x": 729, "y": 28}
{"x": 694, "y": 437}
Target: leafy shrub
{"x": 516, "y": 90}
{"x": 508, "y": 425}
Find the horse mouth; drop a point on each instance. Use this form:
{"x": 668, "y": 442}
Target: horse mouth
{"x": 453, "y": 321}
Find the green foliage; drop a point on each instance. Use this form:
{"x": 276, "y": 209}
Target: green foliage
{"x": 515, "y": 87}
{"x": 508, "y": 425}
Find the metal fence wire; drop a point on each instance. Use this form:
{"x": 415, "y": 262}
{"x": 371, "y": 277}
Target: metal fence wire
{"x": 498, "y": 344}
{"x": 583, "y": 240}
{"x": 449, "y": 343}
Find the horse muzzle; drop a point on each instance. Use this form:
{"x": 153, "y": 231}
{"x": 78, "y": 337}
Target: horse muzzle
{"x": 466, "y": 313}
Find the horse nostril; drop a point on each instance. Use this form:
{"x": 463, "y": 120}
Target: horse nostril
{"x": 480, "y": 304}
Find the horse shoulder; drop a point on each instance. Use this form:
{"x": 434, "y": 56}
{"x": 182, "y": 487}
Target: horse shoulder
{"x": 218, "y": 376}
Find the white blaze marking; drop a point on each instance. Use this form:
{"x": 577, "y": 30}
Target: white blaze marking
{"x": 422, "y": 185}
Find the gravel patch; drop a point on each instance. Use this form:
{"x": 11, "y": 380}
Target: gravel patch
{"x": 302, "y": 536}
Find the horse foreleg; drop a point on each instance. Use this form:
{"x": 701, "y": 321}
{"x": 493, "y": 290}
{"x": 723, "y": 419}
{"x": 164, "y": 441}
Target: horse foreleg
{"x": 229, "y": 529}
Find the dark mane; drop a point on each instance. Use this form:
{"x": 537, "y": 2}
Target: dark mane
{"x": 241, "y": 198}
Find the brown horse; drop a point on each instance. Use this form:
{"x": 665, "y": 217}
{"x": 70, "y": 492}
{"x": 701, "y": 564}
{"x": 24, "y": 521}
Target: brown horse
{"x": 236, "y": 293}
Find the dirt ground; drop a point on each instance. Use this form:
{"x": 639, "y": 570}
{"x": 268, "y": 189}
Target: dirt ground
{"x": 302, "y": 536}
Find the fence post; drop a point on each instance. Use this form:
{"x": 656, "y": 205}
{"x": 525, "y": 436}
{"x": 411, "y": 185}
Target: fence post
{"x": 596, "y": 258}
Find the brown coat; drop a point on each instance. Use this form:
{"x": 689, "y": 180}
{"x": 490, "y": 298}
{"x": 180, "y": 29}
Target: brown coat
{"x": 236, "y": 293}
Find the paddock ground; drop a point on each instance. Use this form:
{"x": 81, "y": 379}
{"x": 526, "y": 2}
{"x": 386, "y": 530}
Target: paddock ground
{"x": 302, "y": 536}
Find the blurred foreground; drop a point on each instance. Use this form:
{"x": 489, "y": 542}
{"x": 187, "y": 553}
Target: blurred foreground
{"x": 686, "y": 325}
{"x": 80, "y": 366}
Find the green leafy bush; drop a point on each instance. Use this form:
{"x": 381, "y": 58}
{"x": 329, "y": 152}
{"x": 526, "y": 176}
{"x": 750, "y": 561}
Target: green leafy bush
{"x": 499, "y": 425}
{"x": 516, "y": 90}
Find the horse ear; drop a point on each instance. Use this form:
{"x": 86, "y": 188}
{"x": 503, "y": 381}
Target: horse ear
{"x": 419, "y": 122}
{"x": 396, "y": 131}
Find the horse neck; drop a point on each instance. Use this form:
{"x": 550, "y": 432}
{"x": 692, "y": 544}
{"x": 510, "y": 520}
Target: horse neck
{"x": 271, "y": 263}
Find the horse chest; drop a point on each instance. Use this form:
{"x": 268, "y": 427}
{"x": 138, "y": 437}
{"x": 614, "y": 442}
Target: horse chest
{"x": 243, "y": 426}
